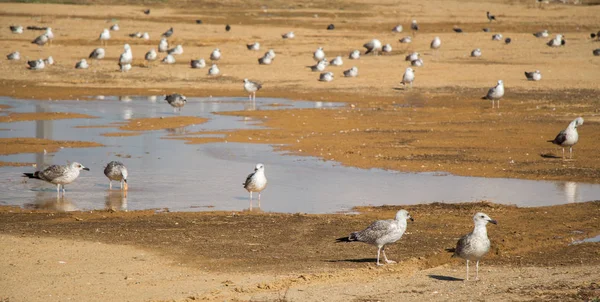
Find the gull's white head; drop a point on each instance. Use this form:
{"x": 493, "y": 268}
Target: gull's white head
{"x": 78, "y": 166}
{"x": 577, "y": 122}
{"x": 414, "y": 21}
{"x": 403, "y": 215}
{"x": 409, "y": 69}
{"x": 259, "y": 167}
{"x": 500, "y": 82}
{"x": 483, "y": 219}
{"x": 126, "y": 47}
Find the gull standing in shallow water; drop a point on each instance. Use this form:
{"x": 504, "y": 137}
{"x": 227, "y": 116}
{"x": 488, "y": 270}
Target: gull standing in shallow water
{"x": 59, "y": 175}
{"x": 568, "y": 137}
{"x": 381, "y": 233}
{"x": 495, "y": 93}
{"x": 251, "y": 88}
{"x": 116, "y": 171}
{"x": 176, "y": 100}
{"x": 256, "y": 182}
{"x": 476, "y": 244}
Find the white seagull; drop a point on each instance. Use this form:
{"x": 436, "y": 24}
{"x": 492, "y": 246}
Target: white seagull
{"x": 256, "y": 182}
{"x": 251, "y": 88}
{"x": 83, "y": 64}
{"x": 373, "y": 46}
{"x": 58, "y": 175}
{"x": 568, "y": 137}
{"x": 354, "y": 55}
{"x": 436, "y": 43}
{"x": 407, "y": 39}
{"x": 214, "y": 70}
{"x": 352, "y": 72}
{"x": 177, "y": 50}
{"x": 151, "y": 55}
{"x": 326, "y": 77}
{"x": 319, "y": 54}
{"x": 476, "y": 53}
{"x": 127, "y": 56}
{"x": 16, "y": 29}
{"x": 476, "y": 244}
{"x": 533, "y": 76}
{"x": 115, "y": 27}
{"x": 319, "y": 66}
{"x": 169, "y": 59}
{"x": 289, "y": 35}
{"x": 14, "y": 56}
{"x": 97, "y": 54}
{"x": 337, "y": 61}
{"x": 253, "y": 46}
{"x": 198, "y": 63}
{"x": 408, "y": 77}
{"x": 541, "y": 34}
{"x": 556, "y": 42}
{"x": 495, "y": 93}
{"x": 387, "y": 48}
{"x": 104, "y": 37}
{"x": 397, "y": 29}
{"x": 36, "y": 64}
{"x": 163, "y": 45}
{"x": 215, "y": 55}
{"x": 116, "y": 171}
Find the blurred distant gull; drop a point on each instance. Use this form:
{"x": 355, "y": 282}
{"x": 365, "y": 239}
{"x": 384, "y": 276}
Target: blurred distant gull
{"x": 556, "y": 42}
{"x": 97, "y": 54}
{"x": 49, "y": 34}
{"x": 36, "y": 64}
{"x": 198, "y": 21}
{"x": 14, "y": 56}
{"x": 436, "y": 43}
{"x": 352, "y": 72}
{"x": 289, "y": 35}
{"x": 397, "y": 29}
{"x": 411, "y": 57}
{"x": 151, "y": 55}
{"x": 326, "y": 77}
{"x": 596, "y": 52}
{"x": 127, "y": 56}
{"x": 476, "y": 53}
{"x": 146, "y": 36}
{"x": 198, "y": 63}
{"x": 507, "y": 40}
{"x": 495, "y": 93}
{"x": 373, "y": 46}
{"x": 265, "y": 60}
{"x": 414, "y": 26}
{"x": 595, "y": 35}
{"x": 169, "y": 59}
{"x": 490, "y": 17}
{"x": 337, "y": 61}
{"x": 147, "y": 11}
{"x": 457, "y": 29}
{"x": 387, "y": 48}
{"x": 406, "y": 40}
{"x": 408, "y": 77}
{"x": 568, "y": 137}
{"x": 49, "y": 61}
{"x": 354, "y": 55}
{"x": 227, "y": 27}
{"x": 256, "y": 182}
{"x": 168, "y": 33}
{"x": 541, "y": 34}
{"x": 476, "y": 244}
{"x": 319, "y": 66}
{"x": 253, "y": 46}
{"x": 215, "y": 55}
{"x": 41, "y": 40}
{"x": 104, "y": 37}
{"x": 58, "y": 175}
{"x": 496, "y": 37}
{"x": 82, "y": 64}
{"x": 381, "y": 233}
{"x": 176, "y": 100}
{"x": 115, "y": 27}
{"x": 213, "y": 70}
{"x": 116, "y": 171}
{"x": 486, "y": 29}
{"x": 251, "y": 88}
{"x": 319, "y": 54}
{"x": 177, "y": 50}
{"x": 417, "y": 63}
{"x": 533, "y": 76}
{"x": 163, "y": 45}
{"x": 16, "y": 29}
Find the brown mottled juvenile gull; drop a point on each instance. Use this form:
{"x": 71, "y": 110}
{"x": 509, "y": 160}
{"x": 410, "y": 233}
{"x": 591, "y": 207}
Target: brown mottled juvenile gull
{"x": 176, "y": 100}
{"x": 251, "y": 87}
{"x": 58, "y": 175}
{"x": 116, "y": 171}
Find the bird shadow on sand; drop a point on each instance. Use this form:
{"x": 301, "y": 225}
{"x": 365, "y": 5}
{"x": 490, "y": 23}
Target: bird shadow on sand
{"x": 549, "y": 155}
{"x": 363, "y": 260}
{"x": 444, "y": 278}
{"x": 400, "y": 88}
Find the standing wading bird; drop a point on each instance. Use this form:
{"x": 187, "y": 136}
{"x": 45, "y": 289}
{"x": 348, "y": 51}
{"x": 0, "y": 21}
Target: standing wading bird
{"x": 414, "y": 26}
{"x": 476, "y": 244}
{"x": 256, "y": 182}
{"x": 251, "y": 88}
{"x": 176, "y": 100}
{"x": 490, "y": 17}
{"x": 408, "y": 77}
{"x": 116, "y": 171}
{"x": 319, "y": 54}
{"x": 126, "y": 58}
{"x": 495, "y": 93}
{"x": 373, "y": 46}
{"x": 58, "y": 175}
{"x": 104, "y": 37}
{"x": 163, "y": 45}
{"x": 381, "y": 233}
{"x": 568, "y": 137}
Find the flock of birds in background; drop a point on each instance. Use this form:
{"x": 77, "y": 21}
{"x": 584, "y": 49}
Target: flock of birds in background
{"x": 471, "y": 247}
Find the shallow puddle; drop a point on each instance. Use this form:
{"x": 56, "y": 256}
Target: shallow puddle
{"x": 170, "y": 174}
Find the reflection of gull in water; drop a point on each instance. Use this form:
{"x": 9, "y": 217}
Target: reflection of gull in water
{"x": 152, "y": 98}
{"x": 125, "y": 98}
{"x": 60, "y": 204}
{"x": 116, "y": 200}
{"x": 127, "y": 114}
{"x": 571, "y": 190}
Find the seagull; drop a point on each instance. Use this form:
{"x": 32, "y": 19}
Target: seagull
{"x": 319, "y": 54}
{"x": 354, "y": 55}
{"x": 351, "y": 73}
{"x": 49, "y": 61}
{"x": 214, "y": 70}
{"x": 496, "y": 37}
{"x": 253, "y": 46}
{"x": 82, "y": 64}
{"x": 319, "y": 66}
{"x": 381, "y": 233}
{"x": 408, "y": 77}
{"x": 14, "y": 56}
{"x": 49, "y": 34}
{"x": 373, "y": 46}
{"x": 163, "y": 45}
{"x": 495, "y": 93}
{"x": 411, "y": 57}
{"x": 486, "y": 29}
{"x": 227, "y": 27}
{"x": 176, "y": 100}
{"x": 265, "y": 60}
{"x": 387, "y": 48}
{"x": 41, "y": 40}
{"x": 36, "y": 64}
{"x": 251, "y": 88}
{"x": 397, "y": 29}
{"x": 145, "y": 36}
{"x": 568, "y": 137}
{"x": 491, "y": 17}
{"x": 215, "y": 55}
{"x": 476, "y": 53}
{"x": 414, "y": 26}
{"x": 115, "y": 27}
{"x": 126, "y": 58}
{"x": 151, "y": 55}
{"x": 596, "y": 52}
{"x": 330, "y": 27}
{"x": 595, "y": 35}
{"x": 476, "y": 244}
{"x": 507, "y": 41}
{"x": 198, "y": 63}
{"x": 457, "y": 29}
{"x": 16, "y": 29}
{"x": 256, "y": 182}
{"x": 169, "y": 59}
{"x": 541, "y": 34}
{"x": 436, "y": 43}
{"x": 137, "y": 34}
{"x": 270, "y": 53}
{"x": 58, "y": 175}
{"x": 533, "y": 76}
{"x": 104, "y": 37}
{"x": 337, "y": 61}
{"x": 556, "y": 42}
{"x": 147, "y": 12}
{"x": 326, "y": 77}
{"x": 417, "y": 63}
{"x": 289, "y": 35}
{"x": 406, "y": 39}
{"x": 97, "y": 54}
{"x": 168, "y": 33}
{"x": 177, "y": 50}
{"x": 116, "y": 171}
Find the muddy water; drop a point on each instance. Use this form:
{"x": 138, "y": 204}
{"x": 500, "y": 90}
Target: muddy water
{"x": 170, "y": 174}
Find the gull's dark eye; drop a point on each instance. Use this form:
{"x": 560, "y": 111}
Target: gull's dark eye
{"x": 482, "y": 216}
